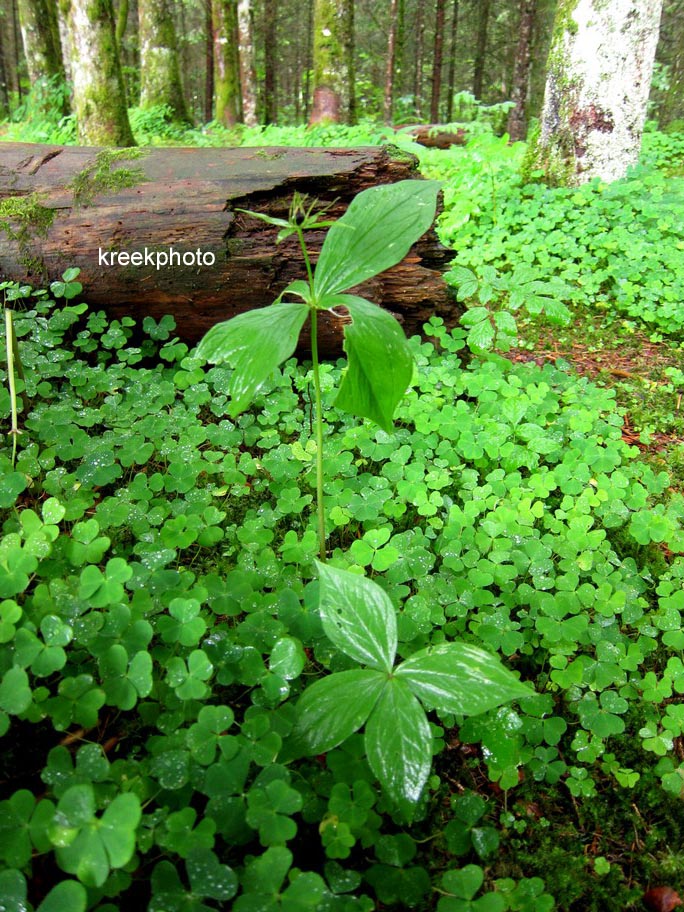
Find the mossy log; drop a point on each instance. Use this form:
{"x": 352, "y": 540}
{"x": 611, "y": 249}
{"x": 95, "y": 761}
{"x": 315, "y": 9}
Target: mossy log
{"x": 96, "y": 208}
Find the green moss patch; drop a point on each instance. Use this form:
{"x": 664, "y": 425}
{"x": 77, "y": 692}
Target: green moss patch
{"x": 102, "y": 175}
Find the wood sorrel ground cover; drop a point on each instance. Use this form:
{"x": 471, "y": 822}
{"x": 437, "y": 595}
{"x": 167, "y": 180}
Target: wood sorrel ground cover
{"x": 159, "y": 620}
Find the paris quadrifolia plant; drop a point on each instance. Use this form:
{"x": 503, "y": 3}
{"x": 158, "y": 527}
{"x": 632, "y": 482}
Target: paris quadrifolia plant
{"x": 390, "y": 700}
{"x": 375, "y": 233}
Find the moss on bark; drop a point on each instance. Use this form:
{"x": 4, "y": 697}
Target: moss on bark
{"x": 101, "y": 176}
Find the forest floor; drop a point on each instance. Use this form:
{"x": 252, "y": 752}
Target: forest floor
{"x": 634, "y": 365}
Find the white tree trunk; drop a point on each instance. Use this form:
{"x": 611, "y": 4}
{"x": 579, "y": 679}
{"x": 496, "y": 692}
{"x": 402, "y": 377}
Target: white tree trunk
{"x": 597, "y": 87}
{"x": 247, "y": 63}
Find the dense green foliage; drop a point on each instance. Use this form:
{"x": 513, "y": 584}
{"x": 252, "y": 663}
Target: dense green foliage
{"x": 157, "y": 594}
{"x": 614, "y": 247}
{"x": 165, "y": 641}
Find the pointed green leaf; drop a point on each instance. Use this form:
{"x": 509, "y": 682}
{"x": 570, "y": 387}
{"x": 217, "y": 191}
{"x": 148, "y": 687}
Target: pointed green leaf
{"x": 376, "y": 232}
{"x": 333, "y": 708}
{"x": 481, "y": 336}
{"x": 459, "y": 678}
{"x": 358, "y": 617}
{"x": 269, "y": 219}
{"x": 254, "y": 343}
{"x": 465, "y": 281}
{"x": 379, "y": 362}
{"x": 398, "y": 743}
{"x": 299, "y": 288}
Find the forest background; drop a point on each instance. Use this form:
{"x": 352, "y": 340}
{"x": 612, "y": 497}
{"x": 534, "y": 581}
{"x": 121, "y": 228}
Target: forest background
{"x": 259, "y": 61}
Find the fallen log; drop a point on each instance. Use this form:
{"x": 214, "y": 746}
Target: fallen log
{"x": 157, "y": 231}
{"x": 435, "y": 136}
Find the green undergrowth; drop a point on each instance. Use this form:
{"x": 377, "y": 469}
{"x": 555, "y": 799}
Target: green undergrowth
{"x": 617, "y": 248}
{"x": 158, "y": 622}
{"x": 645, "y": 373}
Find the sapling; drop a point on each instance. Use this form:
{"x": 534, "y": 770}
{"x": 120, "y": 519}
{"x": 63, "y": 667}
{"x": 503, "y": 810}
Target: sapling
{"x": 376, "y": 232}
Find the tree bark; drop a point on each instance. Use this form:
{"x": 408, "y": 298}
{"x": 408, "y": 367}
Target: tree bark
{"x": 332, "y": 45}
{"x": 99, "y": 96}
{"x": 517, "y": 116}
{"x": 160, "y": 80}
{"x": 671, "y": 109}
{"x": 270, "y": 60}
{"x": 308, "y": 65}
{"x": 541, "y": 42}
{"x": 42, "y": 47}
{"x": 390, "y": 63}
{"x": 597, "y": 90}
{"x": 247, "y": 62}
{"x": 76, "y": 206}
{"x": 227, "y": 94}
{"x": 437, "y": 61}
{"x": 4, "y": 87}
{"x": 121, "y": 22}
{"x": 451, "y": 76}
{"x": 480, "y": 48}
{"x": 208, "y": 63}
{"x": 418, "y": 69}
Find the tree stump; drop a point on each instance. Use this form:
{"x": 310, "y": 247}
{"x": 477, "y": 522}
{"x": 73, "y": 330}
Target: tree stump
{"x": 157, "y": 231}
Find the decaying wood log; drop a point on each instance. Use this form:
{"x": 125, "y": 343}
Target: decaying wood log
{"x": 435, "y": 136}
{"x": 157, "y": 231}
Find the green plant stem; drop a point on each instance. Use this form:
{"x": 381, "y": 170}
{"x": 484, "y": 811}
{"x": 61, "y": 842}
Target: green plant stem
{"x": 320, "y": 508}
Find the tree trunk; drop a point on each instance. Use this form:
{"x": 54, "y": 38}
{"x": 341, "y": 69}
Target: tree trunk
{"x": 480, "y": 48}
{"x": 541, "y": 42}
{"x": 437, "y": 62}
{"x": 671, "y": 109}
{"x": 308, "y": 64}
{"x": 597, "y": 90}
{"x": 208, "y": 63}
{"x": 517, "y": 116}
{"x": 270, "y": 60}
{"x": 42, "y": 47}
{"x": 116, "y": 215}
{"x": 160, "y": 81}
{"x": 348, "y": 40}
{"x": 390, "y": 65}
{"x": 420, "y": 47}
{"x": 4, "y": 87}
{"x": 451, "y": 77}
{"x": 99, "y": 96}
{"x": 332, "y": 78}
{"x": 227, "y": 94}
{"x": 19, "y": 60}
{"x": 400, "y": 51}
{"x": 121, "y": 22}
{"x": 247, "y": 62}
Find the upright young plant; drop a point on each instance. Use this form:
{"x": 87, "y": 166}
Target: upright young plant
{"x": 376, "y": 232}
